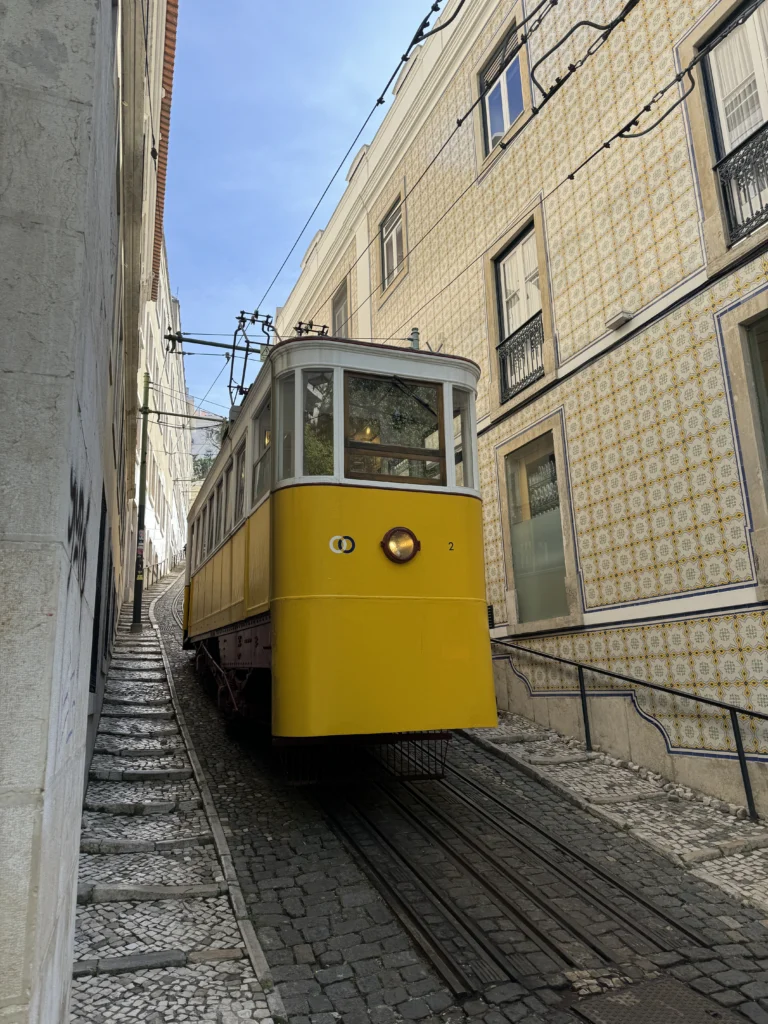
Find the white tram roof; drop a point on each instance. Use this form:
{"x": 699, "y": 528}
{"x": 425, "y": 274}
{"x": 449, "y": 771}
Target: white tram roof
{"x": 326, "y": 352}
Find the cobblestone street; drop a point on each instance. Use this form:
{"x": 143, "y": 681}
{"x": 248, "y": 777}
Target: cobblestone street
{"x": 294, "y": 909}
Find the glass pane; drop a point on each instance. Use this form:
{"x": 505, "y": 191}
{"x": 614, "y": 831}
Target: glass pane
{"x": 511, "y": 293}
{"x": 531, "y": 275}
{"x": 340, "y": 313}
{"x": 514, "y": 90}
{"x": 262, "y": 473}
{"x": 318, "y": 423}
{"x": 462, "y": 438}
{"x": 538, "y": 555}
{"x": 389, "y": 411}
{"x": 384, "y": 465}
{"x": 287, "y": 414}
{"x": 240, "y": 485}
{"x": 495, "y": 111}
{"x": 228, "y": 499}
{"x": 219, "y": 511}
{"x": 736, "y": 87}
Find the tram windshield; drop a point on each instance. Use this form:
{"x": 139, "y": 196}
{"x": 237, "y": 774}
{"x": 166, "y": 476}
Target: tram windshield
{"x": 393, "y": 430}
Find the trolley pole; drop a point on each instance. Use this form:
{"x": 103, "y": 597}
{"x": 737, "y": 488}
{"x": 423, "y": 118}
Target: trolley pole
{"x": 138, "y": 587}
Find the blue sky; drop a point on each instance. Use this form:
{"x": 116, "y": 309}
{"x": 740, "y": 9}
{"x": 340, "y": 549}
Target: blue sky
{"x": 267, "y": 97}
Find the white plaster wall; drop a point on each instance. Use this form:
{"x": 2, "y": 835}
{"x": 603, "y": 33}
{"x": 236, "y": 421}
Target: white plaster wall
{"x": 57, "y": 283}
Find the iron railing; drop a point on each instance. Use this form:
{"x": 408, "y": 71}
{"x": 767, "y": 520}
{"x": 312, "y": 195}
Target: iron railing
{"x": 743, "y": 175}
{"x": 733, "y": 710}
{"x": 157, "y": 570}
{"x": 521, "y": 357}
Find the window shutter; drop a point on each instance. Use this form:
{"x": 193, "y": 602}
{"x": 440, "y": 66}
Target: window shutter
{"x": 495, "y": 65}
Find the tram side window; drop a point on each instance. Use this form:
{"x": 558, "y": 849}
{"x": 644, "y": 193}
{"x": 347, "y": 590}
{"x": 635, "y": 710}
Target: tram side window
{"x": 205, "y": 532}
{"x": 211, "y": 525}
{"x": 219, "y": 510}
{"x": 286, "y": 412}
{"x": 393, "y": 430}
{"x": 262, "y": 452}
{"x": 192, "y": 542}
{"x": 240, "y": 483}
{"x": 318, "y": 422}
{"x": 462, "y": 438}
{"x": 228, "y": 498}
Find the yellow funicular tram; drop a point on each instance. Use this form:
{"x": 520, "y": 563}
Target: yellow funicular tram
{"x": 335, "y": 557}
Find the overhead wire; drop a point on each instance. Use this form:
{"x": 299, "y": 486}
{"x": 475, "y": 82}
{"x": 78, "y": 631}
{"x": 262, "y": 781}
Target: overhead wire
{"x": 534, "y": 19}
{"x": 625, "y": 132}
{"x": 606, "y": 32}
{"x": 417, "y": 38}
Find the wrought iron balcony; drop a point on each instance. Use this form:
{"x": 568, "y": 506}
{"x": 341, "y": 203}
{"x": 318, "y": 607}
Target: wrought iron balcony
{"x": 744, "y": 183}
{"x": 520, "y": 357}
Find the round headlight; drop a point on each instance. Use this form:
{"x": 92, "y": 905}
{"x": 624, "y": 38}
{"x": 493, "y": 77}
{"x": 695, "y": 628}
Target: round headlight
{"x": 400, "y": 544}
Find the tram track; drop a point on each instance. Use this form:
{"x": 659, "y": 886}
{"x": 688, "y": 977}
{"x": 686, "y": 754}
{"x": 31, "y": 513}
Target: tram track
{"x": 490, "y": 895}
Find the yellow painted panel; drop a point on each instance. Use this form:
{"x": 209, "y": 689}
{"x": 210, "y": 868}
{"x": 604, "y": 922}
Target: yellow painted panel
{"x": 363, "y": 645}
{"x": 185, "y": 613}
{"x": 259, "y": 559}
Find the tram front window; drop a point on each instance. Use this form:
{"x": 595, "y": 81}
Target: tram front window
{"x": 393, "y": 430}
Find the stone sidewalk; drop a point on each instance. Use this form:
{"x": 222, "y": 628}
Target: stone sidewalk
{"x": 713, "y": 839}
{"x": 162, "y": 931}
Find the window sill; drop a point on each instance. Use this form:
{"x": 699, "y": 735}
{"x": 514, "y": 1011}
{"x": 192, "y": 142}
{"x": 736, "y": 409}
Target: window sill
{"x": 394, "y": 284}
{"x": 719, "y": 255}
{"x": 542, "y": 625}
{"x": 509, "y": 136}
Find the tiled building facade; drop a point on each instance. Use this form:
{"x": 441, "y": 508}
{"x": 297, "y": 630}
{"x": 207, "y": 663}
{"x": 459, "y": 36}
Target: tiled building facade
{"x": 619, "y": 318}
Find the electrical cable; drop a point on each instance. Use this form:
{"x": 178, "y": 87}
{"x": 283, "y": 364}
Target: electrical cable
{"x": 623, "y": 133}
{"x": 176, "y": 391}
{"x": 524, "y": 37}
{"x": 418, "y": 36}
{"x": 145, "y": 22}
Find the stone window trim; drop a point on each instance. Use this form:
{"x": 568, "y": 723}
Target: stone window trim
{"x": 553, "y": 423}
{"x": 718, "y": 251}
{"x": 397, "y": 199}
{"x": 485, "y": 158}
{"x": 533, "y": 218}
{"x": 735, "y": 329}
{"x": 339, "y": 308}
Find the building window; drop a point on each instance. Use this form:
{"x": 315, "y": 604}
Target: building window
{"x": 318, "y": 423}
{"x": 520, "y": 351}
{"x": 393, "y": 430}
{"x": 502, "y": 89}
{"x": 737, "y": 76}
{"x": 536, "y": 532}
{"x": 262, "y": 452}
{"x": 240, "y": 483}
{"x": 392, "y": 251}
{"x": 339, "y": 313}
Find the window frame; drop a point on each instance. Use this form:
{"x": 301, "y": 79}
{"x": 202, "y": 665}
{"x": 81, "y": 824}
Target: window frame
{"x": 384, "y": 235}
{"x": 238, "y": 507}
{"x": 228, "y": 496}
{"x": 219, "y": 510}
{"x": 719, "y": 250}
{"x": 259, "y": 453}
{"x": 501, "y": 79}
{"x": 334, "y": 306}
{"x": 393, "y": 451}
{"x": 554, "y": 424}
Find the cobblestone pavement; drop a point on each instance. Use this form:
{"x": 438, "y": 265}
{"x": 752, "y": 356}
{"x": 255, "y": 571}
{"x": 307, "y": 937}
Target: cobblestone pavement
{"x": 158, "y": 934}
{"x": 335, "y": 949}
{"x": 682, "y": 825}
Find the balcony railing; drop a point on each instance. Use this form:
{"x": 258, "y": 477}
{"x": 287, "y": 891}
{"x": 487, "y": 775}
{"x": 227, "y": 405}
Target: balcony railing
{"x": 520, "y": 358}
{"x": 744, "y": 182}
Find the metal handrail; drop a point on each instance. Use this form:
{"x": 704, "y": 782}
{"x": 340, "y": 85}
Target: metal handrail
{"x": 733, "y": 709}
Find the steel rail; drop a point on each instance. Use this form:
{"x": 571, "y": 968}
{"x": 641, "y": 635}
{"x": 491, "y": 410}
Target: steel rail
{"x": 538, "y": 899}
{"x": 606, "y": 876}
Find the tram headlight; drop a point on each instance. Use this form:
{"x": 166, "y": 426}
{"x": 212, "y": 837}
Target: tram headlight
{"x": 400, "y": 544}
